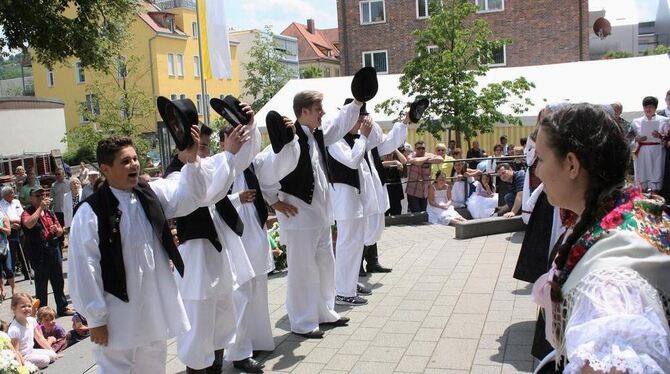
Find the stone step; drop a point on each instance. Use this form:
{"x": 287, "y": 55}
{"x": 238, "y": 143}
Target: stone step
{"x": 488, "y": 226}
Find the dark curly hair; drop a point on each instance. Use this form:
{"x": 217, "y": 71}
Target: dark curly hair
{"x": 108, "y": 148}
{"x": 597, "y": 141}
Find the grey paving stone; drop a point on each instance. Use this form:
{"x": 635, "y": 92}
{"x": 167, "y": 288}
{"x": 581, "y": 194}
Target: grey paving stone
{"x": 412, "y": 364}
{"x": 452, "y": 353}
{"x": 383, "y": 354}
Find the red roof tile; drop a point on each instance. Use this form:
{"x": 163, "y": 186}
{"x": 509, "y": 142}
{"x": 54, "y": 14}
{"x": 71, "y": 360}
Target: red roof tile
{"x": 314, "y": 46}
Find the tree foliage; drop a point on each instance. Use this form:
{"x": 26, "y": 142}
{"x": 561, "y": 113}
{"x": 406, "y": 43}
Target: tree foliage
{"x": 118, "y": 105}
{"x": 311, "y": 71}
{"x": 660, "y": 49}
{"x": 461, "y": 45}
{"x": 266, "y": 73}
{"x": 91, "y": 30}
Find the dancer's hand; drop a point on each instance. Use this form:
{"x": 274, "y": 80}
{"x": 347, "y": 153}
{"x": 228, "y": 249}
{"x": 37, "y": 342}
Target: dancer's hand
{"x": 247, "y": 196}
{"x": 246, "y": 108}
{"x": 190, "y": 154}
{"x": 234, "y": 141}
{"x": 285, "y": 208}
{"x": 99, "y": 335}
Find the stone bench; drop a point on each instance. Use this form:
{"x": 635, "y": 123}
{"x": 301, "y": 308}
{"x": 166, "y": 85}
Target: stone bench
{"x": 407, "y": 219}
{"x": 488, "y": 226}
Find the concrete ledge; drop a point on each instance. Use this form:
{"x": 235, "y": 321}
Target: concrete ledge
{"x": 488, "y": 226}
{"x": 407, "y": 219}
{"x": 76, "y": 359}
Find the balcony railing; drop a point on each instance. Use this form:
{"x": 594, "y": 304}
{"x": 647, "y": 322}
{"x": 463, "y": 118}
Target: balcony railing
{"x": 171, "y": 4}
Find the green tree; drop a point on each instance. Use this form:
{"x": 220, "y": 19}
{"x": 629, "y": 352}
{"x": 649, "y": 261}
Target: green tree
{"x": 311, "y": 72}
{"x": 91, "y": 30}
{"x": 266, "y": 73}
{"x": 460, "y": 47}
{"x": 610, "y": 55}
{"x": 116, "y": 106}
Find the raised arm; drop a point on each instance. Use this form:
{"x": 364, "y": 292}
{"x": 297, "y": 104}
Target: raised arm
{"x": 394, "y": 139}
{"x": 343, "y": 122}
{"x": 349, "y": 157}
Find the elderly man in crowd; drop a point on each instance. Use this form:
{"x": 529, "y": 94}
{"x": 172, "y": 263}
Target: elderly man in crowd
{"x": 11, "y": 207}
{"x": 43, "y": 233}
{"x": 88, "y": 188}
{"x": 514, "y": 195}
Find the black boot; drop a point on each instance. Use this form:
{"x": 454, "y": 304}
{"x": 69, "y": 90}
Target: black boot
{"x": 361, "y": 271}
{"x": 217, "y": 365}
{"x": 372, "y": 259}
{"x": 195, "y": 371}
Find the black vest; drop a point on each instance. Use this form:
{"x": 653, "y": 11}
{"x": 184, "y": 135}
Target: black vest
{"x": 379, "y": 165}
{"x": 199, "y": 224}
{"x": 300, "y": 182}
{"x": 37, "y": 245}
{"x": 105, "y": 206}
{"x": 259, "y": 202}
{"x": 342, "y": 173}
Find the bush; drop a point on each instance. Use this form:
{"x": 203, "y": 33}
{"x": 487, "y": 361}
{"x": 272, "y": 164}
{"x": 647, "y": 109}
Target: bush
{"x": 74, "y": 157}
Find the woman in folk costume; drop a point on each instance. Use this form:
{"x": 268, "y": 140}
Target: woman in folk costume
{"x": 253, "y": 328}
{"x": 606, "y": 295}
{"x": 650, "y": 131}
{"x": 119, "y": 258}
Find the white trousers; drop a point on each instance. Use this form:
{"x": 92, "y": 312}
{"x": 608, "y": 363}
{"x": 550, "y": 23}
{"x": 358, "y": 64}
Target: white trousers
{"x": 650, "y": 166}
{"x": 310, "y": 298}
{"x": 374, "y": 227}
{"x": 349, "y": 250}
{"x": 212, "y": 328}
{"x": 149, "y": 358}
{"x": 254, "y": 330}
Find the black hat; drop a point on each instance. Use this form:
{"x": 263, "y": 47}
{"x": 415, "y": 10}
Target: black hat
{"x": 279, "y": 134}
{"x": 364, "y": 109}
{"x": 178, "y": 116}
{"x": 417, "y": 108}
{"x": 36, "y": 189}
{"x": 229, "y": 108}
{"x": 364, "y": 86}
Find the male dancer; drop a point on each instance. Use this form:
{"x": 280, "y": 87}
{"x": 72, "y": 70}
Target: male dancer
{"x": 120, "y": 246}
{"x": 254, "y": 331}
{"x": 305, "y": 216}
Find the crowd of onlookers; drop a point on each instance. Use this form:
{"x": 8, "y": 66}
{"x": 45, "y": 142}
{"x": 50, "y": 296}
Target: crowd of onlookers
{"x": 34, "y": 220}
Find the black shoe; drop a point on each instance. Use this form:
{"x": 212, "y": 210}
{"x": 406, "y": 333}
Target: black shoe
{"x": 362, "y": 290}
{"x": 376, "y": 268}
{"x": 352, "y": 301}
{"x": 248, "y": 365}
{"x": 362, "y": 273}
{"x": 343, "y": 321}
{"x": 316, "y": 334}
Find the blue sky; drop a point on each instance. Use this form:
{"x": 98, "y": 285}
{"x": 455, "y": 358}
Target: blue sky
{"x": 255, "y": 14}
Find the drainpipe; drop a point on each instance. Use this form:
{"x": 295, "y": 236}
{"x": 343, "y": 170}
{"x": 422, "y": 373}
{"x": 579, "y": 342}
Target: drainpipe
{"x": 344, "y": 40}
{"x": 151, "y": 69}
{"x": 581, "y": 30}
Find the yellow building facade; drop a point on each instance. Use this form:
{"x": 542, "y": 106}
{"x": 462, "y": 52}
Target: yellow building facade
{"x": 165, "y": 44}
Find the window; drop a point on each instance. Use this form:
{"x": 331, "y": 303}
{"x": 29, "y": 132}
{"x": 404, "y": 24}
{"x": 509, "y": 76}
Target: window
{"x": 121, "y": 68}
{"x": 194, "y": 26}
{"x": 182, "y": 96}
{"x": 50, "y": 78}
{"x": 196, "y": 66}
{"x": 490, "y": 5}
{"x": 180, "y": 65}
{"x": 170, "y": 23}
{"x": 80, "y": 77}
{"x": 422, "y": 8}
{"x": 378, "y": 60}
{"x": 170, "y": 64}
{"x": 372, "y": 11}
{"x": 498, "y": 57}
{"x": 198, "y": 104}
{"x": 91, "y": 105}
{"x": 326, "y": 72}
{"x": 173, "y": 97}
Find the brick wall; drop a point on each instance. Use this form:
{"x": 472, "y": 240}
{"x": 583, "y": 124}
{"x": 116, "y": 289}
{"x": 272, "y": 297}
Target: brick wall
{"x": 543, "y": 32}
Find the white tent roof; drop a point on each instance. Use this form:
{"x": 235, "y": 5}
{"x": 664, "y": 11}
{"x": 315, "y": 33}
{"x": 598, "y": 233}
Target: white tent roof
{"x": 627, "y": 80}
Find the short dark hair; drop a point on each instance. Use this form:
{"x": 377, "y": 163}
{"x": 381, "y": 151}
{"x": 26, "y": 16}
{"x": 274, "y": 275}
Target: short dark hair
{"x": 503, "y": 165}
{"x": 523, "y": 141}
{"x": 206, "y": 130}
{"x": 108, "y": 148}
{"x": 503, "y": 137}
{"x": 498, "y": 146}
{"x": 419, "y": 142}
{"x": 650, "y": 100}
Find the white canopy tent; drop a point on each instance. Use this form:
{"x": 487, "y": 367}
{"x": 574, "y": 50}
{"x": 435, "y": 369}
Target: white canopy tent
{"x": 626, "y": 80}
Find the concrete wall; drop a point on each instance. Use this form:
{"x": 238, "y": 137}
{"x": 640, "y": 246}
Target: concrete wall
{"x": 31, "y": 128}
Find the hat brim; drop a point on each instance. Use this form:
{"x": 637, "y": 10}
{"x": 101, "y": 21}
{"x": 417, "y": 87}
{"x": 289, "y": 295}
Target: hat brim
{"x": 176, "y": 122}
{"x": 229, "y": 109}
{"x": 279, "y": 134}
{"x": 364, "y": 85}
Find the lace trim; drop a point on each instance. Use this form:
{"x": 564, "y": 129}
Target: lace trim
{"x": 590, "y": 283}
{"x": 624, "y": 361}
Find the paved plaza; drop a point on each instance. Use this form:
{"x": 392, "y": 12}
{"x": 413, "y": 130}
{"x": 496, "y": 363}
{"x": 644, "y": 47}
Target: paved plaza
{"x": 449, "y": 306}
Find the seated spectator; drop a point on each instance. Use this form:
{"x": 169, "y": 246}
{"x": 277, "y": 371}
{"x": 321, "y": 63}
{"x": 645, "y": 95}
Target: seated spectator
{"x": 55, "y": 335}
{"x": 483, "y": 202}
{"x": 475, "y": 152}
{"x": 440, "y": 209}
{"x": 79, "y": 330}
{"x": 461, "y": 179}
{"x": 514, "y": 196}
{"x": 24, "y": 331}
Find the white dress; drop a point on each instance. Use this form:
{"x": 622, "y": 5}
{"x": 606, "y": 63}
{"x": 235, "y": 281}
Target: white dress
{"x": 480, "y": 205}
{"x": 437, "y": 215}
{"x": 458, "y": 191}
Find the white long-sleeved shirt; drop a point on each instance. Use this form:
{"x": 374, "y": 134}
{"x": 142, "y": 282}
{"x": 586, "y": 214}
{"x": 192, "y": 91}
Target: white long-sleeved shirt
{"x": 348, "y": 201}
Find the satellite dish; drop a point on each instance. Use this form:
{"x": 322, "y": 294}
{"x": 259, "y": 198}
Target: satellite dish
{"x": 602, "y": 28}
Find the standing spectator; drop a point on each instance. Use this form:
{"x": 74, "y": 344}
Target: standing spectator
{"x": 6, "y": 269}
{"x": 506, "y": 148}
{"x": 650, "y": 161}
{"x": 20, "y": 177}
{"x": 11, "y": 207}
{"x": 70, "y": 201}
{"x": 58, "y": 190}
{"x": 452, "y": 146}
{"x": 394, "y": 164}
{"x": 665, "y": 191}
{"x": 29, "y": 183}
{"x": 89, "y": 187}
{"x": 444, "y": 167}
{"x": 43, "y": 233}
{"x": 475, "y": 152}
{"x": 514, "y": 195}
{"x": 83, "y": 173}
{"x": 519, "y": 162}
{"x": 418, "y": 176}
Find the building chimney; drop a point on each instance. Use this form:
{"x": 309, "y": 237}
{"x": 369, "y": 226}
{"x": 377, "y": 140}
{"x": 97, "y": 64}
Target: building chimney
{"x": 310, "y": 26}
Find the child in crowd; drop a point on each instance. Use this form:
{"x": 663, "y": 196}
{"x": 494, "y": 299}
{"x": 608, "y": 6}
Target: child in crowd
{"x": 79, "y": 330}
{"x": 440, "y": 209}
{"x": 54, "y": 334}
{"x": 484, "y": 201}
{"x": 23, "y": 330}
